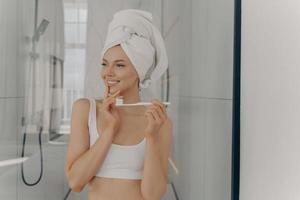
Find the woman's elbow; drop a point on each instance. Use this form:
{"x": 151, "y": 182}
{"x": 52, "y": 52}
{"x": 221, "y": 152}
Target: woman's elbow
{"x": 154, "y": 195}
{"x": 73, "y": 184}
{"x": 77, "y": 188}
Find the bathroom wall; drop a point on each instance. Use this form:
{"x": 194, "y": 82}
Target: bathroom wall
{"x": 270, "y": 99}
{"x": 11, "y": 96}
{"x": 199, "y": 41}
{"x": 200, "y": 47}
{"x": 17, "y": 22}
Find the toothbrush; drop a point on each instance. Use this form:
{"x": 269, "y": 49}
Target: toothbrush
{"x": 119, "y": 102}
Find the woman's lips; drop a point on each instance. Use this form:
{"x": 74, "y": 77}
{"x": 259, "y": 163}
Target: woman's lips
{"x": 112, "y": 83}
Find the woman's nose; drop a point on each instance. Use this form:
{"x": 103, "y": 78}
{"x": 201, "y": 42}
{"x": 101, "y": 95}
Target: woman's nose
{"x": 109, "y": 70}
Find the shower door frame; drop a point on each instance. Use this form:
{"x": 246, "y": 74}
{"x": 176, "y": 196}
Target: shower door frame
{"x": 235, "y": 169}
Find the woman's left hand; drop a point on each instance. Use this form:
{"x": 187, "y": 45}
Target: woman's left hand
{"x": 156, "y": 115}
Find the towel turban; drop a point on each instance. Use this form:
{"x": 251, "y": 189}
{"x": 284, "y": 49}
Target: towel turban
{"x": 141, "y": 41}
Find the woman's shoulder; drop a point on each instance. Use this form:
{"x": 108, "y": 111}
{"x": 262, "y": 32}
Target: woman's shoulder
{"x": 80, "y": 110}
{"x": 82, "y": 102}
{"x": 81, "y": 105}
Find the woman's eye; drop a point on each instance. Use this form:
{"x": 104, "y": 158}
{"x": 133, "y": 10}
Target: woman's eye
{"x": 119, "y": 65}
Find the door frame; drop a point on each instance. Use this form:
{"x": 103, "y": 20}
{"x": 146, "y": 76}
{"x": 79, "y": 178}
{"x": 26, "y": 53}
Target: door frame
{"x": 235, "y": 170}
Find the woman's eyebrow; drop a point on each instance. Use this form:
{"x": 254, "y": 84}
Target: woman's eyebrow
{"x": 115, "y": 60}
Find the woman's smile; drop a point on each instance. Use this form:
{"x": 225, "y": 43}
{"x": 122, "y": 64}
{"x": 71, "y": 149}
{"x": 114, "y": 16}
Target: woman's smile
{"x": 112, "y": 83}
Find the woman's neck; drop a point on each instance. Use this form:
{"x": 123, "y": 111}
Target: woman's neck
{"x": 131, "y": 97}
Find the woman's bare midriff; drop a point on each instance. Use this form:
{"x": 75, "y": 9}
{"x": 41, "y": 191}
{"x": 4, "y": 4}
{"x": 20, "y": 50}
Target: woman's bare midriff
{"x": 101, "y": 188}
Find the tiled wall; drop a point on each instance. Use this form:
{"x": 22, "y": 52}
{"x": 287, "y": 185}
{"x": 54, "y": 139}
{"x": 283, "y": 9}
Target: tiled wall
{"x": 199, "y": 39}
{"x": 10, "y": 98}
{"x": 200, "y": 49}
{"x": 17, "y": 20}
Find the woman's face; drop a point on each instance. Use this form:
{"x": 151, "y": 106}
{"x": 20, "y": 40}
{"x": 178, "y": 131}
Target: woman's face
{"x": 117, "y": 67}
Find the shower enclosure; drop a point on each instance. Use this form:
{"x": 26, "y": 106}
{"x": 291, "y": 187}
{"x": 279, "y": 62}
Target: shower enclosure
{"x": 32, "y": 56}
{"x": 42, "y": 41}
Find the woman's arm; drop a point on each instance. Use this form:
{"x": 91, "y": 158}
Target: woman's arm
{"x": 83, "y": 161}
{"x": 154, "y": 182}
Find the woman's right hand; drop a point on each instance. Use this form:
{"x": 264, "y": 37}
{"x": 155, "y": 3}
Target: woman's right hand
{"x": 108, "y": 113}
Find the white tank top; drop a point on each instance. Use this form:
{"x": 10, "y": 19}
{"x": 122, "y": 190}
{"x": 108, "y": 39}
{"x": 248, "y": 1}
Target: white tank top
{"x": 122, "y": 161}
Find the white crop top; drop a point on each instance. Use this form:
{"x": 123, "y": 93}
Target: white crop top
{"x": 122, "y": 161}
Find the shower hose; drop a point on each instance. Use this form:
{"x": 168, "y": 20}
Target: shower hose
{"x": 41, "y": 161}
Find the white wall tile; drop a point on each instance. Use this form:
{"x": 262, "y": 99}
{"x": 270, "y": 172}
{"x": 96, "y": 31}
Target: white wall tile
{"x": 170, "y": 14}
{"x": 8, "y": 120}
{"x": 185, "y": 43}
{"x": 52, "y": 183}
{"x": 212, "y": 48}
{"x": 186, "y": 154}
{"x": 204, "y": 149}
{"x": 172, "y": 46}
{"x": 200, "y": 53}
{"x": 8, "y": 184}
{"x": 8, "y": 48}
{"x": 10, "y": 129}
{"x": 218, "y": 131}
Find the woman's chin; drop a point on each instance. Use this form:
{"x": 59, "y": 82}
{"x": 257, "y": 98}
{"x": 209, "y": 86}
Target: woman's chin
{"x": 114, "y": 90}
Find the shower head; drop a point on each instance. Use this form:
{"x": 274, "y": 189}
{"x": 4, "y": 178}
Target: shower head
{"x": 40, "y": 30}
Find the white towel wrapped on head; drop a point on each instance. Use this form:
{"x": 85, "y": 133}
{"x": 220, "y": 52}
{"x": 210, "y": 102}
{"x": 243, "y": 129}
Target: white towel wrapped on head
{"x": 141, "y": 41}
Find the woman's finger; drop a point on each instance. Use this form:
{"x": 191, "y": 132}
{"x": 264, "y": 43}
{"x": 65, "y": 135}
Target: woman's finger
{"x": 161, "y": 111}
{"x": 112, "y": 96}
{"x": 148, "y": 113}
{"x": 161, "y": 114}
{"x": 160, "y": 104}
{"x": 155, "y": 114}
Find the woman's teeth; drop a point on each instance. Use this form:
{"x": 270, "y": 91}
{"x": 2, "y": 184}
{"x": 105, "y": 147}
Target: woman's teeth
{"x": 111, "y": 83}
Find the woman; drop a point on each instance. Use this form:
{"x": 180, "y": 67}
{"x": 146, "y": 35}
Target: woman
{"x": 121, "y": 153}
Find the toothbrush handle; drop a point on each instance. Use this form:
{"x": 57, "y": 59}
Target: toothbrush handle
{"x": 149, "y": 103}
{"x": 142, "y": 103}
